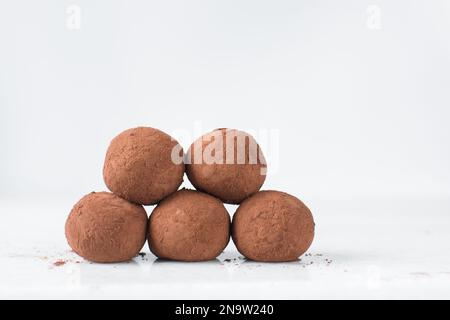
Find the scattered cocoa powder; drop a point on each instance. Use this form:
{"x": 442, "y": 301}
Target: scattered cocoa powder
{"x": 59, "y": 263}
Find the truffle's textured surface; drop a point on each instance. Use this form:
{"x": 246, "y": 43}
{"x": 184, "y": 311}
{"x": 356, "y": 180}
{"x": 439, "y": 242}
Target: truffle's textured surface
{"x": 189, "y": 226}
{"x": 103, "y": 227}
{"x": 227, "y": 164}
{"x": 139, "y": 165}
{"x": 272, "y": 226}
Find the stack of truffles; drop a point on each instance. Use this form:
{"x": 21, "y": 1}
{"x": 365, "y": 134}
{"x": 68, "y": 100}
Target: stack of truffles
{"x": 145, "y": 166}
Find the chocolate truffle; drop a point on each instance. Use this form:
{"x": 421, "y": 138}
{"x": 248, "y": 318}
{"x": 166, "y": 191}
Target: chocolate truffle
{"x": 272, "y": 226}
{"x": 143, "y": 165}
{"x": 189, "y": 226}
{"x": 227, "y": 164}
{"x": 103, "y": 227}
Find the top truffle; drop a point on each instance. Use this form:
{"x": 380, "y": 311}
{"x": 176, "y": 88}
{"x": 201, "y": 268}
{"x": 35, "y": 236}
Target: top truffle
{"x": 143, "y": 165}
{"x": 227, "y": 164}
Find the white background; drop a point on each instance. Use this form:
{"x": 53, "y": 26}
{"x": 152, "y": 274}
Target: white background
{"x": 361, "y": 109}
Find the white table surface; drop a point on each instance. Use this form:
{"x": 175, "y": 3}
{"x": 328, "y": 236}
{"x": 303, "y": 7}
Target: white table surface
{"x": 364, "y": 248}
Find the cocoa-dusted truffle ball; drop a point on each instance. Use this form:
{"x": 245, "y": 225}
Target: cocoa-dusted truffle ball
{"x": 143, "y": 165}
{"x": 189, "y": 226}
{"x": 272, "y": 226}
{"x": 227, "y": 164}
{"x": 103, "y": 227}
